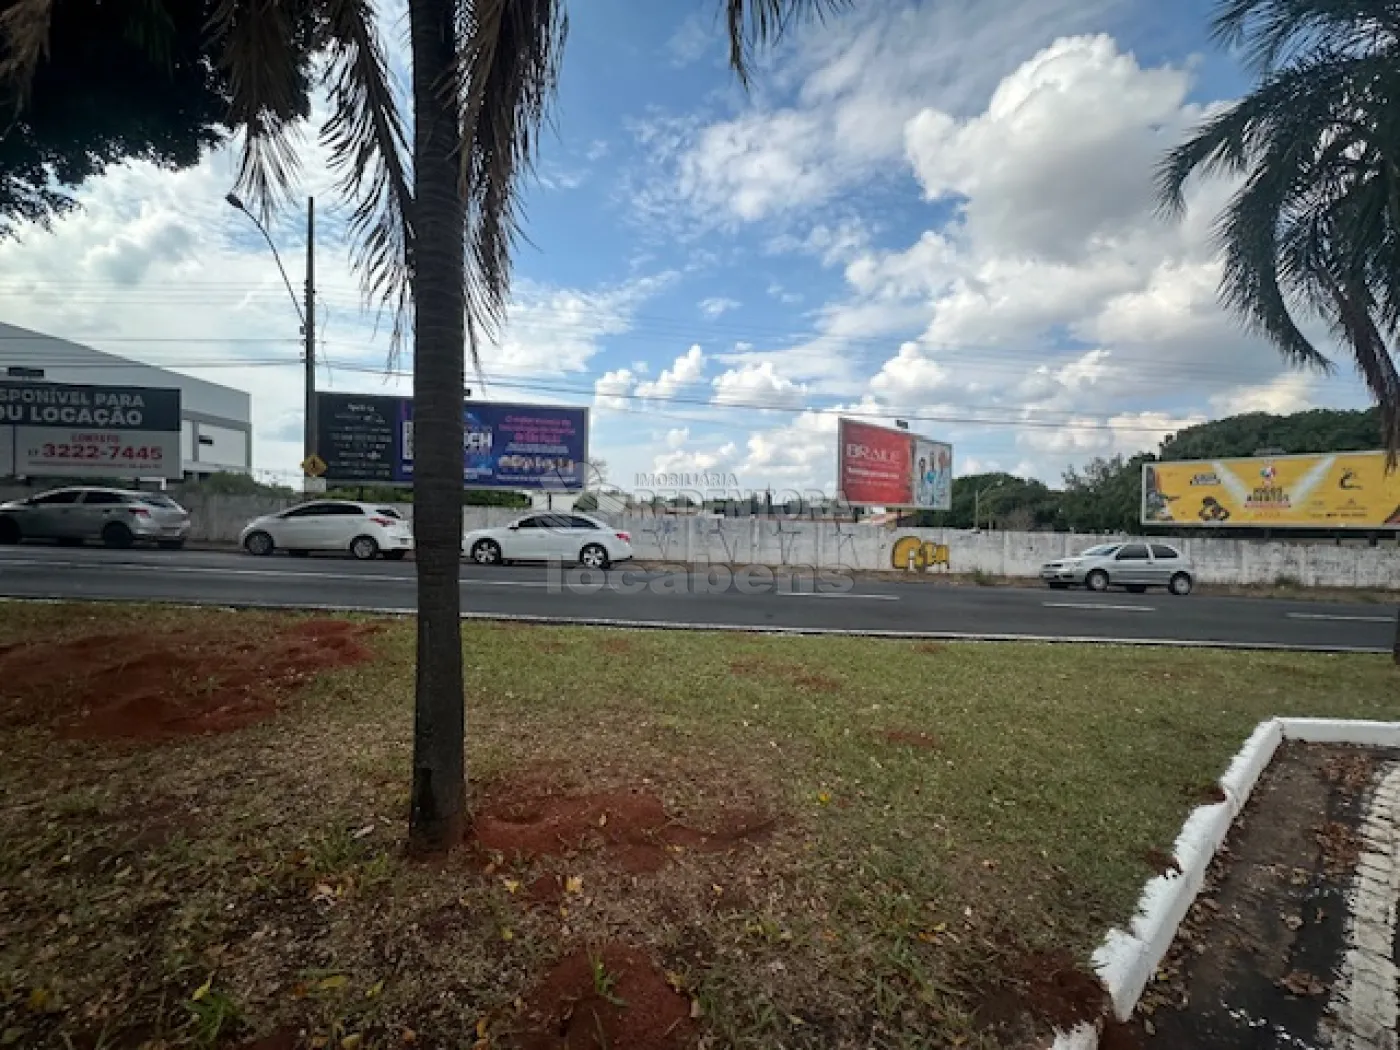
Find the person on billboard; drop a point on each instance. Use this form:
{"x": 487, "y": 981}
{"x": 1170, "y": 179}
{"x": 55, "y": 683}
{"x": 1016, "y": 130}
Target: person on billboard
{"x": 941, "y": 479}
{"x": 923, "y": 482}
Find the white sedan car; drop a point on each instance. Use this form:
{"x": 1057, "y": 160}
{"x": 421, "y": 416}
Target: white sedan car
{"x": 592, "y": 543}
{"x": 364, "y": 529}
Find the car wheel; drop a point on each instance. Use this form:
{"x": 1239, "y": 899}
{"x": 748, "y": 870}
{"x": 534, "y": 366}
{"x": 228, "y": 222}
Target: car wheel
{"x": 1097, "y": 580}
{"x": 1180, "y": 584}
{"x": 594, "y": 556}
{"x": 259, "y": 543}
{"x": 364, "y": 548}
{"x": 395, "y": 555}
{"x": 9, "y": 531}
{"x": 486, "y": 552}
{"x": 1136, "y": 588}
{"x": 170, "y": 545}
{"x": 115, "y": 534}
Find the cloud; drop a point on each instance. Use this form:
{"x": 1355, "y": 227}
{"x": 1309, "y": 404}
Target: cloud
{"x": 1122, "y": 434}
{"x": 1036, "y": 174}
{"x": 758, "y": 386}
{"x": 850, "y": 85}
{"x": 1290, "y": 392}
{"x": 686, "y": 371}
{"x": 717, "y": 307}
{"x": 910, "y": 377}
{"x": 611, "y": 389}
{"x": 693, "y": 39}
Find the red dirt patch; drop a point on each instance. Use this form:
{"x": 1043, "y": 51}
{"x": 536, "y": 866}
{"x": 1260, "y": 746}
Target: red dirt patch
{"x": 632, "y": 828}
{"x": 929, "y": 647}
{"x": 1048, "y": 987}
{"x": 282, "y": 1039}
{"x": 147, "y": 686}
{"x": 913, "y": 738}
{"x": 607, "y": 1000}
{"x": 1161, "y": 861}
{"x": 616, "y": 646}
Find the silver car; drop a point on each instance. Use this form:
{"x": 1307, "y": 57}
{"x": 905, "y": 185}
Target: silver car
{"x": 1135, "y": 565}
{"x": 116, "y": 517}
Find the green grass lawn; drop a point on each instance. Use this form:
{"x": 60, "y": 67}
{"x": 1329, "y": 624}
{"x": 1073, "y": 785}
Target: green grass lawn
{"x": 947, "y": 820}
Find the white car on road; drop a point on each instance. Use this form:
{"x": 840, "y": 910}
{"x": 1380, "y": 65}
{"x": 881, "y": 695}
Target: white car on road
{"x": 590, "y": 542}
{"x": 366, "y": 530}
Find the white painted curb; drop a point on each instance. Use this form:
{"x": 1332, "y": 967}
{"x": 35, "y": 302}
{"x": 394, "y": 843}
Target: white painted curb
{"x": 1127, "y": 959}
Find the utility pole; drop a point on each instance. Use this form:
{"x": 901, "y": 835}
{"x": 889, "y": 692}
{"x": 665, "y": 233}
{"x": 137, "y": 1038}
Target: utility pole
{"x": 309, "y": 330}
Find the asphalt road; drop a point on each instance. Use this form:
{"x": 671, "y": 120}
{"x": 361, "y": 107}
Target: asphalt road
{"x": 796, "y": 602}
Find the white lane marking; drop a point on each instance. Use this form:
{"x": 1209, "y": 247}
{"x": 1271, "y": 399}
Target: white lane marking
{"x": 838, "y": 594}
{"x": 1365, "y": 1002}
{"x": 1099, "y": 606}
{"x": 1351, "y": 619}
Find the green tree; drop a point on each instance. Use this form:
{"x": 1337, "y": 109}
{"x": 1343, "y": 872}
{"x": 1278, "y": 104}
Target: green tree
{"x": 434, "y": 218}
{"x": 1317, "y": 430}
{"x": 1314, "y": 230}
{"x": 1105, "y": 495}
{"x": 110, "y": 85}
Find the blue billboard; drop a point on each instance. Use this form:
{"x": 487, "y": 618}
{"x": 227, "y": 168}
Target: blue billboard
{"x": 368, "y": 439}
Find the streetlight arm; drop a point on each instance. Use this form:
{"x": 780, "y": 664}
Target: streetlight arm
{"x": 234, "y": 202}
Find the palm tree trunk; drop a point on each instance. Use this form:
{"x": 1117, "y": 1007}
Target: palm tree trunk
{"x": 438, "y": 808}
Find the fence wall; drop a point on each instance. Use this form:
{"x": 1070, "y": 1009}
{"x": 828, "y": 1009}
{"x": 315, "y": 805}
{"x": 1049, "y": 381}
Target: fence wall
{"x": 829, "y": 545}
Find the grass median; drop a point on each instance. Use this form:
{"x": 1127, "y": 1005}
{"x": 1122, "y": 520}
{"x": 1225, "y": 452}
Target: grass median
{"x": 681, "y": 839}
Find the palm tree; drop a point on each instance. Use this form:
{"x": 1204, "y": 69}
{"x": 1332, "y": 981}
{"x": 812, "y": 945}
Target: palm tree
{"x": 434, "y": 222}
{"x": 1313, "y": 232}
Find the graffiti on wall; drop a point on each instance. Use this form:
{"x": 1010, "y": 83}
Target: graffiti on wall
{"x": 914, "y": 554}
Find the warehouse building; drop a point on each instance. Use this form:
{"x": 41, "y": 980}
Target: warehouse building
{"x": 216, "y": 428}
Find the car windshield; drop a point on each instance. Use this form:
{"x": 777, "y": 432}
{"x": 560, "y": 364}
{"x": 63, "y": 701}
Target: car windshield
{"x": 155, "y": 499}
{"x": 1101, "y": 550}
{"x": 388, "y": 512}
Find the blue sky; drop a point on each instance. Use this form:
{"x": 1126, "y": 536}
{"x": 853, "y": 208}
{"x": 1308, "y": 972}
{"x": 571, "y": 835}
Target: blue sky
{"x": 936, "y": 211}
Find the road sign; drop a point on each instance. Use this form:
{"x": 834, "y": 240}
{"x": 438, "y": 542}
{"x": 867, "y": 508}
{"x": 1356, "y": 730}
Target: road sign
{"x": 313, "y": 466}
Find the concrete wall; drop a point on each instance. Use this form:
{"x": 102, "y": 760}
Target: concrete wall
{"x": 830, "y": 545}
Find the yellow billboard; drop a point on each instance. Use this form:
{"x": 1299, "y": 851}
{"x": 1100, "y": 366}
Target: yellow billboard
{"x": 1341, "y": 490}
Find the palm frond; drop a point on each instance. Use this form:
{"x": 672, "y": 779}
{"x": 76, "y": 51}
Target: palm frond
{"x": 755, "y": 23}
{"x": 1354, "y": 323}
{"x": 1274, "y": 32}
{"x": 1299, "y": 105}
{"x": 509, "y": 70}
{"x": 1254, "y": 276}
{"x": 24, "y": 40}
{"x": 261, "y": 53}
{"x": 369, "y": 144}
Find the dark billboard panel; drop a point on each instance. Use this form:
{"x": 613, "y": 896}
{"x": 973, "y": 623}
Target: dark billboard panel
{"x": 369, "y": 439}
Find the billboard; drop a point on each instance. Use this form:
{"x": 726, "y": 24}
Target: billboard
{"x": 369, "y": 439}
{"x": 877, "y": 466}
{"x": 75, "y": 430}
{"x": 1342, "y": 490}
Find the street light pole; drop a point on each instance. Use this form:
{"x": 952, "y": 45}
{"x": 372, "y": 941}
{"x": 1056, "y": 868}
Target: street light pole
{"x": 309, "y": 329}
{"x": 977, "y": 504}
{"x": 307, "y": 315}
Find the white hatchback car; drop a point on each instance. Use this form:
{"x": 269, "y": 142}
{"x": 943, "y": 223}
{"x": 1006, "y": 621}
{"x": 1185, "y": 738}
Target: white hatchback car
{"x": 364, "y": 529}
{"x": 592, "y": 543}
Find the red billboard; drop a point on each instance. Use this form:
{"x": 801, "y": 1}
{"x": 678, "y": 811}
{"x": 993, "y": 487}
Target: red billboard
{"x": 876, "y": 466}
